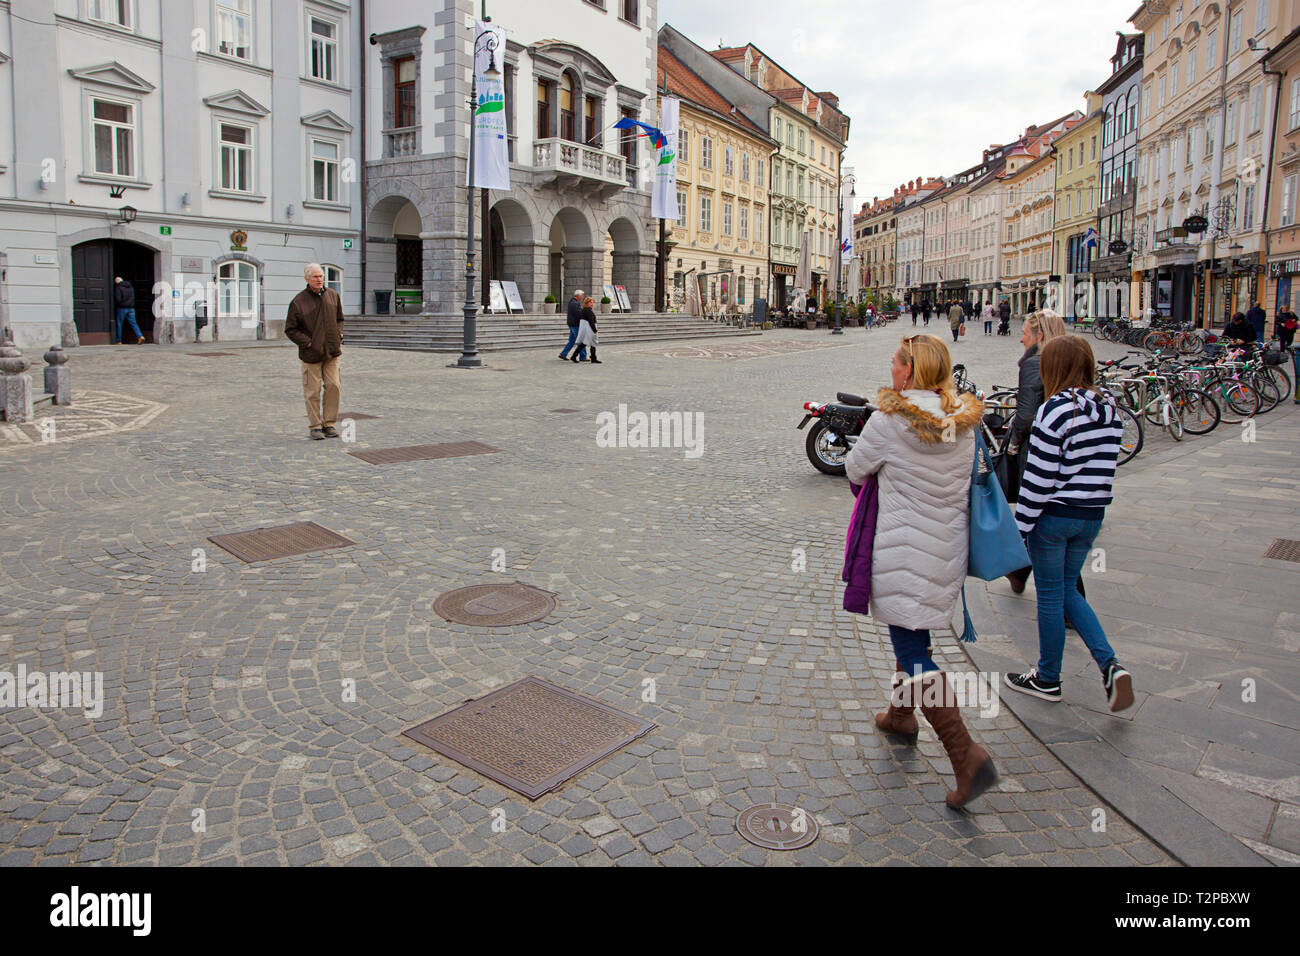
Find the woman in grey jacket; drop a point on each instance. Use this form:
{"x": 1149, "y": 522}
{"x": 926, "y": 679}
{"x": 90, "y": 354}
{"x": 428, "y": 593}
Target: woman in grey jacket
{"x": 920, "y": 445}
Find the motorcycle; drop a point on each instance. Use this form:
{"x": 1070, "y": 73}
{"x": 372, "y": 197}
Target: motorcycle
{"x": 836, "y": 429}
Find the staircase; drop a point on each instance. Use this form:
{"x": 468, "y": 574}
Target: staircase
{"x": 496, "y": 333}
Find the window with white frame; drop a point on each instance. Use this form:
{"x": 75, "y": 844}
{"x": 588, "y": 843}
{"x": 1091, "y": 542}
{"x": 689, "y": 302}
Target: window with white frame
{"x": 235, "y": 162}
{"x": 324, "y": 170}
{"x": 681, "y": 208}
{"x": 324, "y": 39}
{"x": 758, "y": 228}
{"x": 728, "y": 161}
{"x": 1173, "y": 79}
{"x": 112, "y": 131}
{"x": 1288, "y": 199}
{"x": 1248, "y": 208}
{"x": 334, "y": 279}
{"x": 726, "y": 218}
{"x": 1256, "y": 107}
{"x": 1234, "y": 31}
{"x": 1178, "y": 15}
{"x": 1163, "y": 84}
{"x": 116, "y": 12}
{"x": 706, "y": 214}
{"x": 1294, "y": 120}
{"x": 758, "y": 173}
{"x": 1210, "y": 46}
{"x": 1261, "y": 16}
{"x": 744, "y": 167}
{"x": 684, "y": 145}
{"x": 236, "y": 290}
{"x": 744, "y": 222}
{"x": 1146, "y": 102}
{"x": 706, "y": 152}
{"x": 235, "y": 28}
{"x": 1191, "y": 67}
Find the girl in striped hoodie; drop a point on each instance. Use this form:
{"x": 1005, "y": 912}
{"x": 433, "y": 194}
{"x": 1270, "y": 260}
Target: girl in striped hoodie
{"x": 1069, "y": 469}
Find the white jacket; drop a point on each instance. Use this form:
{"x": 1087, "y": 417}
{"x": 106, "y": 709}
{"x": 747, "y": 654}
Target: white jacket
{"x": 922, "y": 459}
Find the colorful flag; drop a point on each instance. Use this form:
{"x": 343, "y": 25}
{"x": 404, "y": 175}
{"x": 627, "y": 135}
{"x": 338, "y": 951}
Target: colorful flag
{"x": 491, "y": 148}
{"x": 656, "y": 136}
{"x": 663, "y": 199}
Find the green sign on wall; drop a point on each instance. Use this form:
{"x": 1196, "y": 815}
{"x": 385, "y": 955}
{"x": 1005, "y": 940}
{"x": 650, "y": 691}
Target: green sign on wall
{"x": 164, "y": 230}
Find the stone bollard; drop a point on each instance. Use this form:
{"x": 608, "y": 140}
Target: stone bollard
{"x": 58, "y": 377}
{"x": 17, "y": 384}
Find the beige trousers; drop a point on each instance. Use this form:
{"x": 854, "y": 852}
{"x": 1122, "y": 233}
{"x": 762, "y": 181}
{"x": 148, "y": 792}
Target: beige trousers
{"x": 321, "y": 414}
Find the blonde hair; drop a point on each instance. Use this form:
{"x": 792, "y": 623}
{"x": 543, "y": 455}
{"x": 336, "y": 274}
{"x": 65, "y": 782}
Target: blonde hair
{"x": 931, "y": 368}
{"x": 1048, "y": 324}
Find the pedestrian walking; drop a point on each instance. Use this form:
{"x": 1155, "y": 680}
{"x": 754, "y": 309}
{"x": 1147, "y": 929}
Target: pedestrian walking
{"x": 926, "y": 309}
{"x": 916, "y": 310}
{"x": 315, "y": 325}
{"x": 920, "y": 445}
{"x": 1255, "y": 316}
{"x": 587, "y": 330}
{"x": 956, "y": 319}
{"x": 1004, "y": 312}
{"x": 1285, "y": 325}
{"x": 574, "y": 319}
{"x": 124, "y": 305}
{"x": 1073, "y": 448}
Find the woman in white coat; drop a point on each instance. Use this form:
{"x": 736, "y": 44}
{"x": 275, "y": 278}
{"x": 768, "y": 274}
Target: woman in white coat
{"x": 920, "y": 445}
{"x": 587, "y": 330}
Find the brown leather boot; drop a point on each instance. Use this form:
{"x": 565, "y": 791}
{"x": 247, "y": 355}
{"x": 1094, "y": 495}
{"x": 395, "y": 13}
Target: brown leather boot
{"x": 899, "y": 720}
{"x": 971, "y": 764}
{"x": 1018, "y": 580}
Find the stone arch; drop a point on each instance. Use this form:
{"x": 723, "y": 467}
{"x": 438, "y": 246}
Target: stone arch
{"x": 514, "y": 249}
{"x": 627, "y": 263}
{"x": 396, "y": 253}
{"x": 575, "y": 257}
{"x": 162, "y": 249}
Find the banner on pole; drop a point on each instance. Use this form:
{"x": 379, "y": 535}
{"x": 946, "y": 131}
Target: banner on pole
{"x": 491, "y": 148}
{"x": 847, "y": 195}
{"x": 663, "y": 200}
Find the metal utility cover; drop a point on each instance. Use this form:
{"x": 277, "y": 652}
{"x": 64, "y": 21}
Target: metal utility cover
{"x": 455, "y": 449}
{"x": 495, "y": 605}
{"x": 211, "y": 354}
{"x": 357, "y": 416}
{"x": 1284, "y": 549}
{"x": 531, "y": 736}
{"x": 566, "y": 411}
{"x": 773, "y": 825}
{"x": 281, "y": 541}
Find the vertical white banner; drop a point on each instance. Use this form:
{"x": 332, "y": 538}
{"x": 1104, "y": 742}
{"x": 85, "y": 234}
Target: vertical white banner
{"x": 847, "y": 183}
{"x": 663, "y": 200}
{"x": 491, "y": 148}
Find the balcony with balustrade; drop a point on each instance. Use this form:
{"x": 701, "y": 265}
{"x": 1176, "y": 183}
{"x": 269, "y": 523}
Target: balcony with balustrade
{"x": 570, "y": 165}
{"x": 402, "y": 142}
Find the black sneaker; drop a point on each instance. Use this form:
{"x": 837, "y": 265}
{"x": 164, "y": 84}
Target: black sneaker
{"x": 1034, "y": 686}
{"x": 1119, "y": 687}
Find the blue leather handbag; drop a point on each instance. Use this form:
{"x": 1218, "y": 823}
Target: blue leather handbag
{"x": 995, "y": 548}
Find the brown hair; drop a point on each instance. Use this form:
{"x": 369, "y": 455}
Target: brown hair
{"x": 588, "y": 301}
{"x": 1067, "y": 362}
{"x": 931, "y": 368}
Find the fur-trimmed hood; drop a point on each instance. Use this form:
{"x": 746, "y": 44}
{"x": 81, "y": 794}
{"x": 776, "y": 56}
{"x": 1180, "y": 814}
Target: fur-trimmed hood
{"x": 930, "y": 426}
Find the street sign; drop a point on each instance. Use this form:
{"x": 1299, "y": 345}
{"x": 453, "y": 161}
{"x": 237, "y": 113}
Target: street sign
{"x": 347, "y": 243}
{"x": 1196, "y": 224}
{"x": 164, "y": 230}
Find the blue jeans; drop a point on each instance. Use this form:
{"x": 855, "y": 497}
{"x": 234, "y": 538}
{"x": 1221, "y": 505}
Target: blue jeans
{"x": 912, "y": 650}
{"x": 127, "y": 315}
{"x": 1058, "y": 547}
{"x": 582, "y": 349}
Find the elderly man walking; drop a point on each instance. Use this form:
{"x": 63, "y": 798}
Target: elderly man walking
{"x": 315, "y": 325}
{"x": 575, "y": 319}
{"x": 956, "y": 319}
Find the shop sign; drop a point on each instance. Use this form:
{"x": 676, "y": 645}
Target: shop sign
{"x": 1286, "y": 267}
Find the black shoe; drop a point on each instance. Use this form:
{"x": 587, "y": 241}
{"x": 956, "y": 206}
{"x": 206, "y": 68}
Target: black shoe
{"x": 317, "y": 435}
{"x": 1034, "y": 686}
{"x": 1119, "y": 687}
{"x": 329, "y": 431}
{"x": 594, "y": 360}
{"x": 575, "y": 358}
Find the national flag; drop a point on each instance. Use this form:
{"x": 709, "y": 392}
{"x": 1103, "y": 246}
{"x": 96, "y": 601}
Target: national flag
{"x": 656, "y": 136}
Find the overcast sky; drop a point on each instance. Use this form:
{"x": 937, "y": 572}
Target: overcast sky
{"x": 927, "y": 84}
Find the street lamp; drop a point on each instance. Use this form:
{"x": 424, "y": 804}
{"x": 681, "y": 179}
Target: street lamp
{"x": 485, "y": 44}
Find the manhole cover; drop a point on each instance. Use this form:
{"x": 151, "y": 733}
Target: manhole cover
{"x": 281, "y": 541}
{"x": 777, "y": 826}
{"x": 455, "y": 449}
{"x": 530, "y": 736}
{"x": 356, "y": 416}
{"x": 566, "y": 411}
{"x": 1284, "y": 550}
{"x": 211, "y": 354}
{"x": 495, "y": 605}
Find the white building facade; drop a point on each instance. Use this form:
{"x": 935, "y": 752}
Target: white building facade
{"x": 205, "y": 152}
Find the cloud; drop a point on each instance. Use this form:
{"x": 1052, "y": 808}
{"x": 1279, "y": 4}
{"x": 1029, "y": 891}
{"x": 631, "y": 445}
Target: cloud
{"x": 928, "y": 84}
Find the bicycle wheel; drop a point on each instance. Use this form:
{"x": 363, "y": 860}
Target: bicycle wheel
{"x": 1156, "y": 341}
{"x": 1100, "y": 328}
{"x": 1241, "y": 399}
{"x": 1280, "y": 378}
{"x": 1200, "y": 412}
{"x": 1269, "y": 395}
{"x": 1173, "y": 421}
{"x": 1131, "y": 443}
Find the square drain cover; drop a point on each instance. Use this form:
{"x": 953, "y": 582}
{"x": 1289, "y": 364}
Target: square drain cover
{"x": 566, "y": 411}
{"x": 455, "y": 449}
{"x": 281, "y": 541}
{"x": 1284, "y": 550}
{"x": 531, "y": 736}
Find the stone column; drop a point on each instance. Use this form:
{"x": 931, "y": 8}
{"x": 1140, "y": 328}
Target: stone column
{"x": 527, "y": 263}
{"x": 17, "y": 385}
{"x": 58, "y": 378}
{"x": 582, "y": 270}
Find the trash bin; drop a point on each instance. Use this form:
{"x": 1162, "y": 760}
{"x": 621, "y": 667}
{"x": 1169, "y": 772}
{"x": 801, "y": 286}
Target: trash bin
{"x": 383, "y": 299}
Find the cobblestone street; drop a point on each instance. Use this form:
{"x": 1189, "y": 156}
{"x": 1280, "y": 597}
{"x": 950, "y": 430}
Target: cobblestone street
{"x": 222, "y": 686}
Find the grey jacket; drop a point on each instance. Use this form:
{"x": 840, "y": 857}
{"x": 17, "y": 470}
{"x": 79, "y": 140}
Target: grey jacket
{"x": 1030, "y": 397}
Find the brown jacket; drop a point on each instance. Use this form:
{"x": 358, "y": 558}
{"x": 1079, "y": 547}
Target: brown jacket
{"x": 315, "y": 325}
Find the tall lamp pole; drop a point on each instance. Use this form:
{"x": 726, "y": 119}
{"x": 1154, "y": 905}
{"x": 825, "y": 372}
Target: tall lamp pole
{"x": 487, "y": 42}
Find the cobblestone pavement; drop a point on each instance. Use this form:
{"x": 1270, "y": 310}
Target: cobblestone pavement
{"x": 223, "y": 686}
